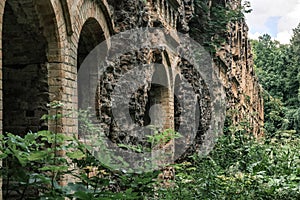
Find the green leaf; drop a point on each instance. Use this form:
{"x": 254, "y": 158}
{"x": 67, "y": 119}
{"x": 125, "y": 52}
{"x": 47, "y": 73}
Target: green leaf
{"x": 54, "y": 168}
{"x": 76, "y": 155}
{"x": 83, "y": 195}
{"x": 38, "y": 155}
{"x": 3, "y": 156}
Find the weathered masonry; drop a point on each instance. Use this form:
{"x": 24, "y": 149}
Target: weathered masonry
{"x": 44, "y": 42}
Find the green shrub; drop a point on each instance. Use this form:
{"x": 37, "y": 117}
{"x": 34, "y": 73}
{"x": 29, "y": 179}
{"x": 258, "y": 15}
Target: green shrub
{"x": 239, "y": 167}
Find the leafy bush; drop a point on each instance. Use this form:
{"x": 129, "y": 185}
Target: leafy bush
{"x": 241, "y": 167}
{"x": 49, "y": 165}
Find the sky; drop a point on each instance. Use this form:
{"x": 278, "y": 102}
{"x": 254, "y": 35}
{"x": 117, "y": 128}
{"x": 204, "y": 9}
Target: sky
{"x": 275, "y": 17}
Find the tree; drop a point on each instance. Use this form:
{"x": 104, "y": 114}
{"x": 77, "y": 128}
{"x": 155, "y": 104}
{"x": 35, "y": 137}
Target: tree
{"x": 277, "y": 67}
{"x": 270, "y": 59}
{"x": 292, "y": 87}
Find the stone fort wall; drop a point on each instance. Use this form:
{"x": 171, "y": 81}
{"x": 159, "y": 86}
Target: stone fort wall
{"x": 44, "y": 42}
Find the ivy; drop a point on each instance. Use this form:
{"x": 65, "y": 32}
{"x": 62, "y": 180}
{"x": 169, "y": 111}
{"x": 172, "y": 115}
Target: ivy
{"x": 210, "y": 23}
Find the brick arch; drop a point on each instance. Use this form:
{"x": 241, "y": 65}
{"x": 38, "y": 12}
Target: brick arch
{"x": 67, "y": 17}
{"x": 167, "y": 61}
{"x": 30, "y": 44}
{"x": 91, "y": 35}
{"x": 160, "y": 93}
{"x": 94, "y": 16}
{"x": 47, "y": 18}
{"x": 48, "y": 15}
{"x": 92, "y": 19}
{"x": 91, "y": 9}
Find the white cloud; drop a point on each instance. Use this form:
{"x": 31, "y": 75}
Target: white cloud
{"x": 290, "y": 20}
{"x": 284, "y": 37}
{"x": 288, "y": 11}
{"x": 254, "y": 36}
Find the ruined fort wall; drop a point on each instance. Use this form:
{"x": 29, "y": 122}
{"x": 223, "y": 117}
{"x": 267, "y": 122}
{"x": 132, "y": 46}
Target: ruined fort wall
{"x": 233, "y": 60}
{"x": 65, "y": 31}
{"x": 43, "y": 43}
{"x": 244, "y": 93}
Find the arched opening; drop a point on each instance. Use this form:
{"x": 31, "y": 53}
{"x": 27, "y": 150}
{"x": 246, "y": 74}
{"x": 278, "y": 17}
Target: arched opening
{"x": 30, "y": 50}
{"x": 29, "y": 45}
{"x": 88, "y": 76}
{"x": 91, "y": 35}
{"x": 160, "y": 113}
{"x": 159, "y": 110}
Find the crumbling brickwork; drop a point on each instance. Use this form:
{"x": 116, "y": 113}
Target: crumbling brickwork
{"x": 44, "y": 42}
{"x": 245, "y": 101}
{"x": 244, "y": 93}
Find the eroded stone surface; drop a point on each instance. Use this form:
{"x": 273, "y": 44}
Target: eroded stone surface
{"x": 44, "y": 43}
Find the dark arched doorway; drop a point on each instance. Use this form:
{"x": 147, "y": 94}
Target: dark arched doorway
{"x": 87, "y": 67}
{"x": 29, "y": 39}
{"x": 30, "y": 51}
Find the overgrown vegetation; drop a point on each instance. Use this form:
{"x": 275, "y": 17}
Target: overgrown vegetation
{"x": 239, "y": 167}
{"x": 210, "y": 23}
{"x": 277, "y": 67}
{"x": 51, "y": 165}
